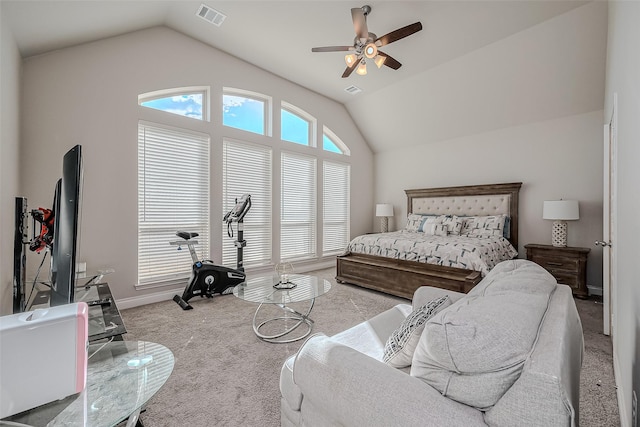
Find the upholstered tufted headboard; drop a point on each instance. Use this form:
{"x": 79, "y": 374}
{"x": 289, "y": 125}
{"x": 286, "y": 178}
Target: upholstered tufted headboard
{"x": 491, "y": 199}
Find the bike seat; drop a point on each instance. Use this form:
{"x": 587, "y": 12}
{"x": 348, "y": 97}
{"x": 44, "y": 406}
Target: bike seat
{"x": 186, "y": 235}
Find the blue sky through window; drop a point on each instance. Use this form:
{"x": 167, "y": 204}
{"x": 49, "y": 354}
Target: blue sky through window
{"x": 188, "y": 105}
{"x": 329, "y": 145}
{"x": 243, "y": 113}
{"x": 294, "y": 128}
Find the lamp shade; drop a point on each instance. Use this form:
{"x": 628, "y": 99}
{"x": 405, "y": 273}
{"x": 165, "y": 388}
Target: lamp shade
{"x": 384, "y": 209}
{"x": 561, "y": 210}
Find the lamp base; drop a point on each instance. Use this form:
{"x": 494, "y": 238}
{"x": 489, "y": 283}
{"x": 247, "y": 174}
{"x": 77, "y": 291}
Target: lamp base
{"x": 559, "y": 234}
{"x": 384, "y": 224}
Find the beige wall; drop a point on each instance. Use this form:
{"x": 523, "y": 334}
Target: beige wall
{"x": 10, "y": 64}
{"x": 623, "y": 69}
{"x": 554, "y": 159}
{"x": 88, "y": 95}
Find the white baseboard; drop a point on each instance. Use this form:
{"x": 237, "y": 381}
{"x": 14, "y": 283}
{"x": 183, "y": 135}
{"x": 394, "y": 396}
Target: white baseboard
{"x": 131, "y": 302}
{"x": 595, "y": 290}
{"x": 167, "y": 295}
{"x": 624, "y": 422}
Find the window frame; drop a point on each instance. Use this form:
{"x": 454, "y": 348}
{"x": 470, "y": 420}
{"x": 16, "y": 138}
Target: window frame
{"x": 267, "y": 112}
{"x": 300, "y": 113}
{"x": 336, "y": 141}
{"x": 313, "y": 254}
{"x": 325, "y": 207}
{"x": 180, "y": 91}
{"x": 229, "y": 250}
{"x": 181, "y": 261}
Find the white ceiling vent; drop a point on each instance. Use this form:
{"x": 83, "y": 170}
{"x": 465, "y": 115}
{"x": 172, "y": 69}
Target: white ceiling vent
{"x": 211, "y": 15}
{"x": 353, "y": 89}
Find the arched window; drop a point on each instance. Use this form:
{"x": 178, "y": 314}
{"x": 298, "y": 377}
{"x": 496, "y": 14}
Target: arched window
{"x": 330, "y": 142}
{"x": 246, "y": 110}
{"x": 186, "y": 101}
{"x": 297, "y": 125}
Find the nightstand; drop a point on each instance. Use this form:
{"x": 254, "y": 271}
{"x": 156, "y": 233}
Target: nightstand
{"x": 568, "y": 265}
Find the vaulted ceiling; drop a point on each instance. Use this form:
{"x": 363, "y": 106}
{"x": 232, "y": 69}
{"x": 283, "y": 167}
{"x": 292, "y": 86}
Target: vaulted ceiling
{"x": 476, "y": 66}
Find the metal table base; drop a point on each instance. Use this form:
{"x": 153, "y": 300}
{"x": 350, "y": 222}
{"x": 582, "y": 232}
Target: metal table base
{"x": 280, "y": 338}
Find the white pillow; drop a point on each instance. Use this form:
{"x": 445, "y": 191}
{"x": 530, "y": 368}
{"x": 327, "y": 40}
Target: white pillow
{"x": 413, "y": 222}
{"x": 436, "y": 229}
{"x": 399, "y": 349}
{"x": 427, "y": 222}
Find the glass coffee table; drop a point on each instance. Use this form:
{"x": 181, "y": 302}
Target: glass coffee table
{"x": 121, "y": 378}
{"x": 299, "y": 288}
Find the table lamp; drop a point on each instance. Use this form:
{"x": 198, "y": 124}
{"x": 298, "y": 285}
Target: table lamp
{"x": 384, "y": 210}
{"x": 560, "y": 211}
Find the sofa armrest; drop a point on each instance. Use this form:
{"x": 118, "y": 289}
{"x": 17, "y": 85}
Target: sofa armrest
{"x": 346, "y": 387}
{"x": 424, "y": 294}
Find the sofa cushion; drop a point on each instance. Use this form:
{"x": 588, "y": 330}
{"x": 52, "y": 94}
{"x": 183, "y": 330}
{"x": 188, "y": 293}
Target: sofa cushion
{"x": 474, "y": 351}
{"x": 399, "y": 349}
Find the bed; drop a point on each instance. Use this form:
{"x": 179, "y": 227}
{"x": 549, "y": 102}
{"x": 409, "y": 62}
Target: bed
{"x": 401, "y": 277}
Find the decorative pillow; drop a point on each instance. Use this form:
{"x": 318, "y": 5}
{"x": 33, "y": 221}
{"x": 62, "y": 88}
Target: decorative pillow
{"x": 483, "y": 226}
{"x": 427, "y": 222}
{"x": 453, "y": 223}
{"x": 413, "y": 222}
{"x": 436, "y": 230}
{"x": 398, "y": 351}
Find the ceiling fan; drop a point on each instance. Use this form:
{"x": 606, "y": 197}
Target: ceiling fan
{"x": 366, "y": 44}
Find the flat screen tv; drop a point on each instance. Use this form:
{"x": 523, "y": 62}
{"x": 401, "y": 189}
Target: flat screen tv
{"x": 67, "y": 203}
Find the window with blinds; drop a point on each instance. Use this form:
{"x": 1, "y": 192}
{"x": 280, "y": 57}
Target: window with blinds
{"x": 173, "y": 194}
{"x": 298, "y": 207}
{"x": 247, "y": 170}
{"x": 336, "y": 188}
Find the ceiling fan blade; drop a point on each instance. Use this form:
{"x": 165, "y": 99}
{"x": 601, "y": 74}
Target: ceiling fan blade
{"x": 332, "y": 48}
{"x": 349, "y": 70}
{"x": 390, "y": 61}
{"x": 359, "y": 22}
{"x": 398, "y": 34}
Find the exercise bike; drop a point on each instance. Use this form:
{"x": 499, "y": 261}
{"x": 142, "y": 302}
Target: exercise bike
{"x": 206, "y": 277}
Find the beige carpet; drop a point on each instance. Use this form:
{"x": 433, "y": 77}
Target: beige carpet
{"x": 225, "y": 376}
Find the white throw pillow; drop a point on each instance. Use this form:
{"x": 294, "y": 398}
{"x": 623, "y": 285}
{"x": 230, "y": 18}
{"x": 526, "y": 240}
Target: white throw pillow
{"x": 399, "y": 349}
{"x": 436, "y": 230}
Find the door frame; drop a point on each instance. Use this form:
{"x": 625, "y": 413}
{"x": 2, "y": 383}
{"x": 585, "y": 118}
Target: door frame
{"x": 609, "y": 220}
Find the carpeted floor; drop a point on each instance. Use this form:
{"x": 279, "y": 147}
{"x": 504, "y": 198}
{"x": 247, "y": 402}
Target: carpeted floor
{"x": 225, "y": 376}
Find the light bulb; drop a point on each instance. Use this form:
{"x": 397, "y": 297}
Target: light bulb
{"x": 362, "y": 68}
{"x": 370, "y": 50}
{"x": 380, "y": 60}
{"x": 350, "y": 59}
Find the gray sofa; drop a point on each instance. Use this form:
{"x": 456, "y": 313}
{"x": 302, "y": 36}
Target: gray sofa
{"x": 508, "y": 353}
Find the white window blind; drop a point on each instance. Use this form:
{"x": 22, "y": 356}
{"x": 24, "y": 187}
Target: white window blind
{"x": 336, "y": 188}
{"x": 298, "y": 207}
{"x": 173, "y": 194}
{"x": 247, "y": 170}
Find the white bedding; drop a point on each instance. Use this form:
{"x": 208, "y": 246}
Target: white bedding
{"x": 471, "y": 253}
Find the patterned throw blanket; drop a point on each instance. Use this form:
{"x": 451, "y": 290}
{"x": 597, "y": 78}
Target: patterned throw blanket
{"x": 471, "y": 253}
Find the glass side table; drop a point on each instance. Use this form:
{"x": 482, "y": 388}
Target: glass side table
{"x": 300, "y": 288}
{"x": 121, "y": 378}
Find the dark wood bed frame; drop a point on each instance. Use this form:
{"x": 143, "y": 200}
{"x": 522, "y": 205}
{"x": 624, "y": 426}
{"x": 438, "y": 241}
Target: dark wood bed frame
{"x": 402, "y": 278}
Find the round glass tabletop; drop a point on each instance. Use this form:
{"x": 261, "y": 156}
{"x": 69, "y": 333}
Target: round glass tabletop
{"x": 121, "y": 377}
{"x": 261, "y": 289}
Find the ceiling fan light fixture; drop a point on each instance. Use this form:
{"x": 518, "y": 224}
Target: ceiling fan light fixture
{"x": 379, "y": 60}
{"x": 370, "y": 50}
{"x": 362, "y": 68}
{"x": 350, "y": 59}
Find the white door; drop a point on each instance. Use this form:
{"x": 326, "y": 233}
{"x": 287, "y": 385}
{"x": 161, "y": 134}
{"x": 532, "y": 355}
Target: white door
{"x": 609, "y": 220}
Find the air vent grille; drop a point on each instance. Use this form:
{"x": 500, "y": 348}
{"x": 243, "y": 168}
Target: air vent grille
{"x": 353, "y": 89}
{"x": 211, "y": 15}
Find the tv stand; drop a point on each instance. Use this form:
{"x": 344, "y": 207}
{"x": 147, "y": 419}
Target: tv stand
{"x": 104, "y": 317}
{"x": 105, "y": 321}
